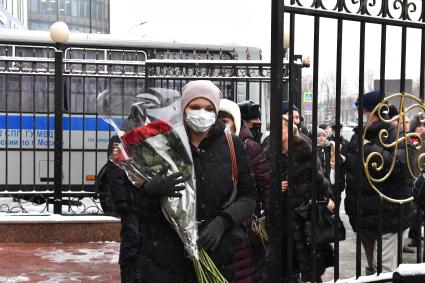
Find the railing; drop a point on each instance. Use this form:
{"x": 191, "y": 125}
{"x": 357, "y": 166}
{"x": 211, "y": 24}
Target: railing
{"x": 386, "y": 13}
{"x": 33, "y": 80}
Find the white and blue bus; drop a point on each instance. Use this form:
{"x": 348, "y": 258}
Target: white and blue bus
{"x": 92, "y": 63}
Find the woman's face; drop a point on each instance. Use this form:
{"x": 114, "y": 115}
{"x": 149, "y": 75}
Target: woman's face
{"x": 228, "y": 122}
{"x": 321, "y": 138}
{"x": 407, "y": 123}
{"x": 200, "y": 103}
{"x": 420, "y": 128}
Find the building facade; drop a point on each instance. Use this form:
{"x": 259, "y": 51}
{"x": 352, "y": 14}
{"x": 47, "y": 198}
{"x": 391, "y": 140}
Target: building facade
{"x": 13, "y": 14}
{"x": 87, "y": 16}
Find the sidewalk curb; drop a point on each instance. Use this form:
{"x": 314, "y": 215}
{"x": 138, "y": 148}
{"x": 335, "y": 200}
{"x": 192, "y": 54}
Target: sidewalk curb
{"x": 57, "y": 228}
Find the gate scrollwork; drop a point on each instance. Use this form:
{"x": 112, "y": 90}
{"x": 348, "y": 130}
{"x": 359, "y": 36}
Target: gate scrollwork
{"x": 376, "y": 167}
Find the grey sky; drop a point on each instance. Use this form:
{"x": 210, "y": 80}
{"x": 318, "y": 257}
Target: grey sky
{"x": 247, "y": 22}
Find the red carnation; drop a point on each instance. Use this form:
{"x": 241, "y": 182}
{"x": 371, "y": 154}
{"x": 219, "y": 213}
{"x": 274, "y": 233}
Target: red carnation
{"x": 139, "y": 134}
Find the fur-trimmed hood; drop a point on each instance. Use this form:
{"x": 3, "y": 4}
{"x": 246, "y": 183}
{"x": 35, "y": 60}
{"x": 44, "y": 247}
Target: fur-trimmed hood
{"x": 232, "y": 108}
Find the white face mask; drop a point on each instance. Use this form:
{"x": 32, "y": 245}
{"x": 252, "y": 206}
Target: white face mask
{"x": 200, "y": 120}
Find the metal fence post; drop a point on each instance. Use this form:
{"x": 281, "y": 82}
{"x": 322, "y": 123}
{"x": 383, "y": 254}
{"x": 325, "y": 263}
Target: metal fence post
{"x": 57, "y": 193}
{"x": 274, "y": 215}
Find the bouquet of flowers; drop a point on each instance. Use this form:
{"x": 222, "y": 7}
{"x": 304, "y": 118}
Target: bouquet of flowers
{"x": 154, "y": 142}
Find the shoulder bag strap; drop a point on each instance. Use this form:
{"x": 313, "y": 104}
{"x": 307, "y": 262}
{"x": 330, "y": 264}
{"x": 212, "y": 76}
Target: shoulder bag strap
{"x": 232, "y": 152}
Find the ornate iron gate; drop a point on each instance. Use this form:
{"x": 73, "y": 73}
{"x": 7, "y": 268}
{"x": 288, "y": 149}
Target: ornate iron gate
{"x": 406, "y": 14}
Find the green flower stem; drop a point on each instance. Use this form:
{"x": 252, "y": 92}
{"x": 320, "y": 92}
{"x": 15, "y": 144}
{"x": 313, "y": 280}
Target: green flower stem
{"x": 206, "y": 271}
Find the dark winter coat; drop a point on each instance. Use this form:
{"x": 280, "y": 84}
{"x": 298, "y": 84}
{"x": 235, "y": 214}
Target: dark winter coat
{"x": 125, "y": 197}
{"x": 122, "y": 190}
{"x": 266, "y": 144}
{"x": 250, "y": 262}
{"x": 324, "y": 153}
{"x": 165, "y": 259}
{"x": 398, "y": 185}
{"x": 300, "y": 193}
{"x": 259, "y": 164}
{"x": 343, "y": 142}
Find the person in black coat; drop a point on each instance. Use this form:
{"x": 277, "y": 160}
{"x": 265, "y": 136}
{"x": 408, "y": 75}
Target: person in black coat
{"x": 220, "y": 222}
{"x": 397, "y": 186}
{"x": 125, "y": 196}
{"x": 301, "y": 188}
{"x": 324, "y": 149}
{"x": 250, "y": 261}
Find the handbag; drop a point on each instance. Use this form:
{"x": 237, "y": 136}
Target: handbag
{"x": 258, "y": 231}
{"x": 418, "y": 189}
{"x": 258, "y": 226}
{"x": 324, "y": 231}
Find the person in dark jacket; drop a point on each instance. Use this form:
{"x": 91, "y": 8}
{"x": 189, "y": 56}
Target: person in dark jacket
{"x": 230, "y": 115}
{"x": 396, "y": 186}
{"x": 125, "y": 195}
{"x": 301, "y": 188}
{"x": 332, "y": 138}
{"x": 416, "y": 126}
{"x": 251, "y": 115}
{"x": 324, "y": 149}
{"x": 249, "y": 259}
{"x": 220, "y": 222}
{"x": 303, "y": 132}
{"x": 298, "y": 120}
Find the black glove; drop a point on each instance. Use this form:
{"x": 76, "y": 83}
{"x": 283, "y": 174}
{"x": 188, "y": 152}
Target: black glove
{"x": 211, "y": 235}
{"x": 164, "y": 186}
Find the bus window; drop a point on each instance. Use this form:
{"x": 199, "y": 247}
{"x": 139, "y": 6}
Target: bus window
{"x": 23, "y": 91}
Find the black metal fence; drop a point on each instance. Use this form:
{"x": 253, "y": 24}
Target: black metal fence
{"x": 53, "y": 143}
{"x": 405, "y": 14}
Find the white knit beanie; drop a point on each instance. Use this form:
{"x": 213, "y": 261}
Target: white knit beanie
{"x": 232, "y": 108}
{"x": 321, "y": 131}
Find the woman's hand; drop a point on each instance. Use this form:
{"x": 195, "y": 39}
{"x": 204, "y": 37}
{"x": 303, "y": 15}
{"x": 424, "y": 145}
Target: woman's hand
{"x": 211, "y": 235}
{"x": 284, "y": 186}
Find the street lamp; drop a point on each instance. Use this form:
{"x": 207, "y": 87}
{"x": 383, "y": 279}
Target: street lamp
{"x": 59, "y": 33}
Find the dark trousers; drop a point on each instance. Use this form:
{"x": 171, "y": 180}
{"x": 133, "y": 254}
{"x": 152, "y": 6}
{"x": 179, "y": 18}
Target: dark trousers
{"x": 130, "y": 248}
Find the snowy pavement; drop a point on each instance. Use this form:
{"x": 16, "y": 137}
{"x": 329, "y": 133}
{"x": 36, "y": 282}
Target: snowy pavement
{"x": 45, "y": 263}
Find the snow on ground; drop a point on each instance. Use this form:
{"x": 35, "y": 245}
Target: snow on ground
{"x": 53, "y": 277}
{"x": 106, "y": 252}
{"x": 70, "y": 277}
{"x": 366, "y": 279}
{"x": 411, "y": 269}
{"x": 14, "y": 279}
{"x": 55, "y": 218}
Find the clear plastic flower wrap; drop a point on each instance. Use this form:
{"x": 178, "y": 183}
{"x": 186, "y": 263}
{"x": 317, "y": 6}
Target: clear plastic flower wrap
{"x": 154, "y": 142}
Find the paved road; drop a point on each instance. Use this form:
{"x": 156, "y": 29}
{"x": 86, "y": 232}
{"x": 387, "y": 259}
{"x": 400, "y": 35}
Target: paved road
{"x": 347, "y": 253}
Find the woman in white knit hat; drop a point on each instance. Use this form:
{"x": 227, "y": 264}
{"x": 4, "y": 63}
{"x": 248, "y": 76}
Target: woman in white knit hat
{"x": 221, "y": 207}
{"x": 249, "y": 259}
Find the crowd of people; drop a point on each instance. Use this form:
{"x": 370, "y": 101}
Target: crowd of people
{"x": 151, "y": 250}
